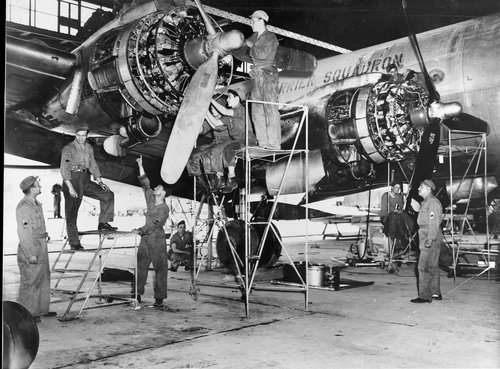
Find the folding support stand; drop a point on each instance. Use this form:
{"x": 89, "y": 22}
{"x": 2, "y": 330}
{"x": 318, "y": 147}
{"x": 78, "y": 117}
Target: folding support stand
{"x": 246, "y": 269}
{"x": 254, "y": 153}
{"x": 477, "y": 152}
{"x": 96, "y": 280}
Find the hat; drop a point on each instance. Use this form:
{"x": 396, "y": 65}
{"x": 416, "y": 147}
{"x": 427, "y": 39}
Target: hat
{"x": 181, "y": 223}
{"x": 27, "y": 183}
{"x": 82, "y": 127}
{"x": 260, "y": 14}
{"x": 236, "y": 92}
{"x": 430, "y": 184}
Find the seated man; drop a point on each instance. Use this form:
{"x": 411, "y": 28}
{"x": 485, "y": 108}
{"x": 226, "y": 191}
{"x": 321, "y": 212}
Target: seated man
{"x": 234, "y": 120}
{"x": 181, "y": 247}
{"x": 229, "y": 131}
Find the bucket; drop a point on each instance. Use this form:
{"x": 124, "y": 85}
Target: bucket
{"x": 315, "y": 275}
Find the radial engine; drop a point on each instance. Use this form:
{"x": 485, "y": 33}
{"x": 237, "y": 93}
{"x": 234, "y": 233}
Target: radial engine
{"x": 374, "y": 124}
{"x": 137, "y": 73}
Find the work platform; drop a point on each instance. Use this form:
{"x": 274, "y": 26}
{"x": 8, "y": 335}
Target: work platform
{"x": 89, "y": 273}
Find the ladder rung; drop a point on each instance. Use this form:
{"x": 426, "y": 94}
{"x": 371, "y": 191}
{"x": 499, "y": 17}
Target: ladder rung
{"x": 61, "y": 270}
{"x": 253, "y": 257}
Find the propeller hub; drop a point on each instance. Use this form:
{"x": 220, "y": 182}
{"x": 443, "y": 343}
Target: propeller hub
{"x": 444, "y": 111}
{"x": 225, "y": 42}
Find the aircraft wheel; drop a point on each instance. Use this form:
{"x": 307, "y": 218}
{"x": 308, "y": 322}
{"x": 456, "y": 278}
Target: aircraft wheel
{"x": 20, "y": 336}
{"x": 109, "y": 300}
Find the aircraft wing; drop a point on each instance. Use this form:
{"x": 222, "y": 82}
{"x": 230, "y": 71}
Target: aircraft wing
{"x": 33, "y": 68}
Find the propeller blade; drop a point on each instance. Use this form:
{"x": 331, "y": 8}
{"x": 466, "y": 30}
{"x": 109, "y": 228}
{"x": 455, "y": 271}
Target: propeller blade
{"x": 189, "y": 120}
{"x": 426, "y": 157}
{"x": 433, "y": 94}
{"x": 208, "y": 23}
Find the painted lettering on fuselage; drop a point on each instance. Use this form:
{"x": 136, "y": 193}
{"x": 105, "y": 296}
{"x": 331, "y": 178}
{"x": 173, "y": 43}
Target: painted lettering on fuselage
{"x": 362, "y": 66}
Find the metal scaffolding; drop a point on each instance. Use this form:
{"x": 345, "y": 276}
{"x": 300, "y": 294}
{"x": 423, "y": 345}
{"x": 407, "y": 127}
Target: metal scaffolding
{"x": 475, "y": 153}
{"x": 246, "y": 268}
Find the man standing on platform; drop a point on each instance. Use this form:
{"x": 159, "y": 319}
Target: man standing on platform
{"x": 77, "y": 164}
{"x": 153, "y": 245}
{"x": 430, "y": 240}
{"x": 263, "y": 48}
{"x": 32, "y": 254}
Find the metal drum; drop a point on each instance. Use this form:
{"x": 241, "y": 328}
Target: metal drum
{"x": 315, "y": 275}
{"x": 20, "y": 336}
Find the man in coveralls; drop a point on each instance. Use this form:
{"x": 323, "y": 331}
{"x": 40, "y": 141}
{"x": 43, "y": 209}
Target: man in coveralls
{"x": 32, "y": 254}
{"x": 181, "y": 247}
{"x": 263, "y": 47}
{"x": 224, "y": 153}
{"x": 153, "y": 246}
{"x": 77, "y": 164}
{"x": 430, "y": 240}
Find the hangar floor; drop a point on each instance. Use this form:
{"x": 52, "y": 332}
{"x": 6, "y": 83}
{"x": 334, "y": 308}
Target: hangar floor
{"x": 372, "y": 326}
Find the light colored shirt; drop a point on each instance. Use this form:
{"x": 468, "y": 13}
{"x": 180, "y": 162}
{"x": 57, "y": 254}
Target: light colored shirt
{"x": 76, "y": 156}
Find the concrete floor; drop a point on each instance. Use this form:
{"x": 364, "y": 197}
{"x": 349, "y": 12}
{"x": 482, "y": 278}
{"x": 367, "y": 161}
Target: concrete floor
{"x": 373, "y": 326}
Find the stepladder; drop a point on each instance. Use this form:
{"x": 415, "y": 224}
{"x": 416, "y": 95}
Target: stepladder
{"x": 78, "y": 275}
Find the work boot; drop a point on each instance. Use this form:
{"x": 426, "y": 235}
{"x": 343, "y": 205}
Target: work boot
{"x": 418, "y": 300}
{"x": 106, "y": 227}
{"x": 77, "y": 248}
{"x": 158, "y": 303}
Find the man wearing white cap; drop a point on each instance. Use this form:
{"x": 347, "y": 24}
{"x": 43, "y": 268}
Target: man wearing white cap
{"x": 77, "y": 164}
{"x": 263, "y": 47}
{"x": 430, "y": 240}
{"x": 32, "y": 254}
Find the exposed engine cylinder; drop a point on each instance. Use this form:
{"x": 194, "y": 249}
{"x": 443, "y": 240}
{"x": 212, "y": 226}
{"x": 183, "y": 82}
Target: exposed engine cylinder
{"x": 144, "y": 67}
{"x": 374, "y": 124}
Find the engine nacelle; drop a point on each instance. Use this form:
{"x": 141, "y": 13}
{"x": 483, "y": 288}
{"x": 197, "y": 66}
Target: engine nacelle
{"x": 135, "y": 75}
{"x": 375, "y": 123}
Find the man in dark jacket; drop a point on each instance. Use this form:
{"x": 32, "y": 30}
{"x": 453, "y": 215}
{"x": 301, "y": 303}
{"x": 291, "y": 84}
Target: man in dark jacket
{"x": 153, "y": 247}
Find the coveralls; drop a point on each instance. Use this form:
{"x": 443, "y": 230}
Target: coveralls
{"x": 389, "y": 203}
{"x": 237, "y": 131}
{"x": 183, "y": 243}
{"x": 34, "y": 289}
{"x": 429, "y": 220}
{"x": 202, "y": 154}
{"x": 77, "y": 163}
{"x": 153, "y": 247}
{"x": 265, "y": 117}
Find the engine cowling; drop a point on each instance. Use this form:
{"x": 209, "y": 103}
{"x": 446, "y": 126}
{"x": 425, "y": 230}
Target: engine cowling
{"x": 376, "y": 123}
{"x": 136, "y": 74}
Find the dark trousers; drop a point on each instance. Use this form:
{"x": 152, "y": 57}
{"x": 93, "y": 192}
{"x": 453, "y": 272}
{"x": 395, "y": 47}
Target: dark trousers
{"x": 57, "y": 206}
{"x": 85, "y": 187}
{"x": 157, "y": 255}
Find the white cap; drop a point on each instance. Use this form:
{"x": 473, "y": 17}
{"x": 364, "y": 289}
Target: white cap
{"x": 260, "y": 14}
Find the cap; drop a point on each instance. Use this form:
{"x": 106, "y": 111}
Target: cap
{"x": 393, "y": 183}
{"x": 181, "y": 223}
{"x": 236, "y": 92}
{"x": 429, "y": 183}
{"x": 82, "y": 127}
{"x": 260, "y": 14}
{"x": 27, "y": 182}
